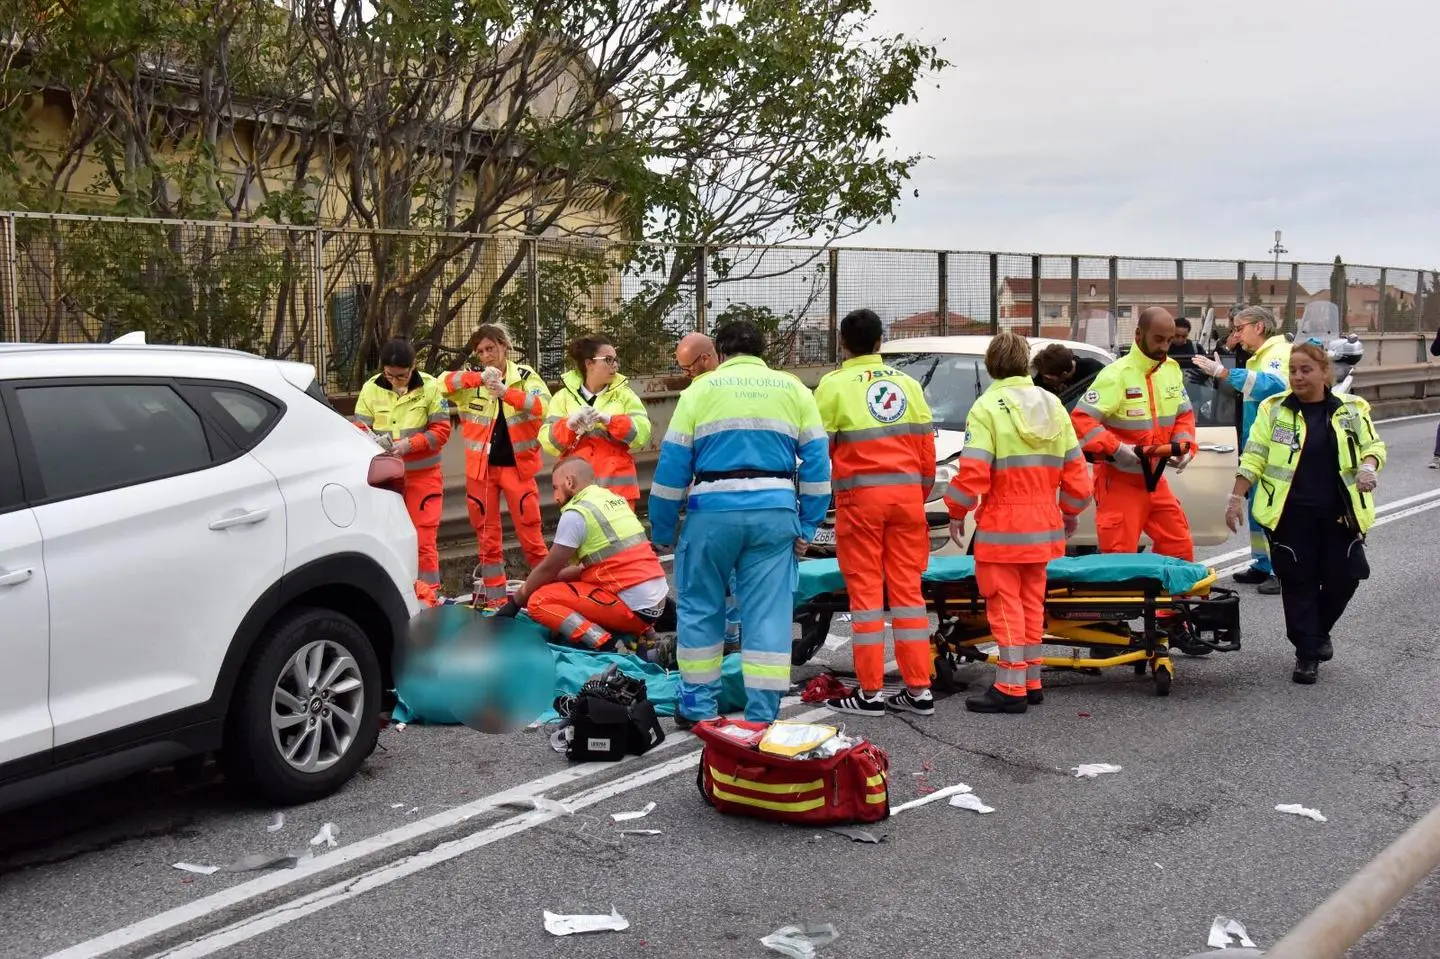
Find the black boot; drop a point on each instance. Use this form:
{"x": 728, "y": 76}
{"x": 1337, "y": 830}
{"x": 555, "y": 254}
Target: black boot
{"x": 1251, "y": 576}
{"x": 994, "y": 701}
{"x": 1307, "y": 671}
{"x": 1325, "y": 652}
{"x": 1034, "y": 696}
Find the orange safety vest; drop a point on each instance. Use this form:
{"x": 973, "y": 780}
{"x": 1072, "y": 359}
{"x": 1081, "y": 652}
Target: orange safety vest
{"x": 1137, "y": 401}
{"x": 881, "y": 433}
{"x": 610, "y": 450}
{"x": 1023, "y": 467}
{"x": 616, "y": 554}
{"x": 526, "y": 398}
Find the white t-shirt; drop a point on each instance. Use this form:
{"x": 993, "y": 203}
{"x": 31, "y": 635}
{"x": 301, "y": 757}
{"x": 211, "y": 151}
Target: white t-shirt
{"x": 647, "y": 596}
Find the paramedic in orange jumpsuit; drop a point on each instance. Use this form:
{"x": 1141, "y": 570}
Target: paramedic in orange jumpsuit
{"x": 405, "y": 410}
{"x": 619, "y": 585}
{"x": 882, "y": 454}
{"x": 502, "y": 407}
{"x": 1022, "y": 467}
{"x": 1139, "y": 399}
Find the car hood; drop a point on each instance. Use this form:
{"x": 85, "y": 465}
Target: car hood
{"x": 948, "y": 444}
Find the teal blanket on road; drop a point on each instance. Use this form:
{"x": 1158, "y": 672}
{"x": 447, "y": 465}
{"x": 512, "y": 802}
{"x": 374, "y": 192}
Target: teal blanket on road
{"x": 422, "y": 699}
{"x": 1173, "y": 576}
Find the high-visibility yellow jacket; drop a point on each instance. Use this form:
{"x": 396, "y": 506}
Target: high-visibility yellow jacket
{"x": 422, "y": 414}
{"x": 526, "y": 399}
{"x": 609, "y": 448}
{"x": 1277, "y": 441}
{"x": 616, "y": 554}
{"x": 1136, "y": 401}
{"x": 1023, "y": 467}
{"x": 880, "y": 427}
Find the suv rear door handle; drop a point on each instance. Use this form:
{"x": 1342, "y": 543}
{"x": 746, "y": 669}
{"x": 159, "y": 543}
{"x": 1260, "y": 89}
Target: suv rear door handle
{"x": 15, "y": 577}
{"x": 241, "y": 519}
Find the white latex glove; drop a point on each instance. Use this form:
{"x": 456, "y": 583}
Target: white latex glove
{"x": 1178, "y": 463}
{"x": 402, "y": 447}
{"x": 1365, "y": 479}
{"x": 384, "y": 440}
{"x": 1072, "y": 523}
{"x": 494, "y": 381}
{"x": 578, "y": 419}
{"x": 957, "y": 530}
{"x": 1235, "y": 513}
{"x": 603, "y": 418}
{"x": 1211, "y": 368}
{"x": 1125, "y": 455}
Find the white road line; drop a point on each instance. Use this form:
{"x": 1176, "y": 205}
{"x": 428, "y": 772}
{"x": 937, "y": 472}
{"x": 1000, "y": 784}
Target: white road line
{"x": 339, "y": 892}
{"x": 1406, "y": 419}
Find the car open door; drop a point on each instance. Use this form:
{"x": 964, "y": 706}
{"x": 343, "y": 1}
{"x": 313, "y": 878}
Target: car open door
{"x": 1204, "y": 487}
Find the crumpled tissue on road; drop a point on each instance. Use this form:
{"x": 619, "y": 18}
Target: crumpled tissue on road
{"x": 1224, "y": 928}
{"x": 1091, "y": 770}
{"x": 558, "y": 925}
{"x": 1295, "y": 809}
{"x": 938, "y": 794}
{"x": 970, "y": 801}
{"x": 637, "y": 814}
{"x": 540, "y": 804}
{"x": 801, "y": 941}
{"x": 278, "y": 824}
{"x": 326, "y": 835}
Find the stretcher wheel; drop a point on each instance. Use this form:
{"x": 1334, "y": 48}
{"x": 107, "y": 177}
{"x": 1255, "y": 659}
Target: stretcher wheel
{"x": 945, "y": 675}
{"x": 1163, "y": 676}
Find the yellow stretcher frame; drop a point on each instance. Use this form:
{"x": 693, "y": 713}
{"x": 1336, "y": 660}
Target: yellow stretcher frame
{"x": 1204, "y": 609}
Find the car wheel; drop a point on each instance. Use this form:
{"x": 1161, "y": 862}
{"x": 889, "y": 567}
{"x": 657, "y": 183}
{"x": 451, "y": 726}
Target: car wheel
{"x": 306, "y": 710}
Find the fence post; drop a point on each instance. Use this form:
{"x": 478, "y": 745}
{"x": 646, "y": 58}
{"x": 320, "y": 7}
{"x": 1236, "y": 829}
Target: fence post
{"x": 322, "y": 357}
{"x": 994, "y": 293}
{"x": 12, "y": 283}
{"x": 702, "y": 289}
{"x": 1291, "y": 308}
{"x": 1179, "y": 288}
{"x": 1035, "y": 296}
{"x": 1380, "y": 303}
{"x": 834, "y": 305}
{"x": 1239, "y": 282}
{"x": 1074, "y": 298}
{"x": 1115, "y": 292}
{"x": 1420, "y": 302}
{"x": 942, "y": 300}
{"x": 532, "y": 263}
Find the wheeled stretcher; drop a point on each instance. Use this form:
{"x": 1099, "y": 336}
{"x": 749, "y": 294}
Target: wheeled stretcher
{"x": 1090, "y": 605}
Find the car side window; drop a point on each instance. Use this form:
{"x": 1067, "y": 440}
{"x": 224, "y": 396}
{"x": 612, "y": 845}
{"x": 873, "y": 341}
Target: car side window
{"x": 90, "y": 438}
{"x": 11, "y": 496}
{"x": 1214, "y": 406}
{"x": 246, "y": 414}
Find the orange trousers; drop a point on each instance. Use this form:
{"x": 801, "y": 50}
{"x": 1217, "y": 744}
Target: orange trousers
{"x": 882, "y": 543}
{"x": 1015, "y": 607}
{"x": 1124, "y": 509}
{"x": 585, "y": 614}
{"x": 424, "y": 496}
{"x": 522, "y": 499}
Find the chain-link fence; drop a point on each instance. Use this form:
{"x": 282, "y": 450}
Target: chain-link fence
{"x": 332, "y": 297}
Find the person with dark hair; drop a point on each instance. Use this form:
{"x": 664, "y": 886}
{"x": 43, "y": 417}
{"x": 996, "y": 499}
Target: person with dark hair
{"x": 1312, "y": 457}
{"x": 1023, "y": 475}
{"x": 1181, "y": 346}
{"x": 1055, "y": 368}
{"x": 405, "y": 411}
{"x": 730, "y": 456}
{"x": 882, "y": 451}
{"x": 502, "y": 408}
{"x": 598, "y": 417}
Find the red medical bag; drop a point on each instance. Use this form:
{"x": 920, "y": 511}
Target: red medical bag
{"x": 736, "y": 778}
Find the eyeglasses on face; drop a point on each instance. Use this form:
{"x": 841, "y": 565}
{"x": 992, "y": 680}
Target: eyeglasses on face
{"x": 608, "y": 360}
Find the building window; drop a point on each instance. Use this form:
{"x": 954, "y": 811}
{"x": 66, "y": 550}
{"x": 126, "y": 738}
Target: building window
{"x": 1124, "y": 312}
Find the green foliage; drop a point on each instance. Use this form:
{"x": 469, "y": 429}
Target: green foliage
{"x": 1255, "y": 298}
{"x": 566, "y": 287}
{"x": 778, "y": 329}
{"x": 1340, "y": 292}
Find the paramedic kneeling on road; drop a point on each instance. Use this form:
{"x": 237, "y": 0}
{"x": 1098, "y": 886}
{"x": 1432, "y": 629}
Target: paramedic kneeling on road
{"x": 1311, "y": 460}
{"x": 619, "y": 586}
{"x": 1020, "y": 454}
{"x": 1139, "y": 400}
{"x": 733, "y": 442}
{"x": 882, "y": 448}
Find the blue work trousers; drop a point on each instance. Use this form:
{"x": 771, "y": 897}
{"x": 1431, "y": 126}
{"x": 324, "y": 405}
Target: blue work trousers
{"x": 1259, "y": 543}
{"x": 757, "y": 549}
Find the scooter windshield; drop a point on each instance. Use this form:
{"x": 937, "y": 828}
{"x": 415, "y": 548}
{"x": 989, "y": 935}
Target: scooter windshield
{"x": 1319, "y": 324}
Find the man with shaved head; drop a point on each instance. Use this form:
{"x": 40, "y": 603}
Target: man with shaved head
{"x": 618, "y": 585}
{"x": 1138, "y": 401}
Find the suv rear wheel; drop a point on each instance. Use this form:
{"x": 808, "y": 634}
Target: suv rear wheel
{"x": 306, "y": 711}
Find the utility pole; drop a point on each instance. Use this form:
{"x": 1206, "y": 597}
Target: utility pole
{"x": 1277, "y": 249}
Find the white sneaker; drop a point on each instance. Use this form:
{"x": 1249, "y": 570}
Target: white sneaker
{"x": 1435, "y": 463}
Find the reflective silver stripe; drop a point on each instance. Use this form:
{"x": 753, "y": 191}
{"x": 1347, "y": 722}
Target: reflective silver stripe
{"x": 572, "y": 624}
{"x": 412, "y": 431}
{"x": 963, "y": 500}
{"x": 679, "y": 439}
{"x": 1182, "y": 438}
{"x": 594, "y": 636}
{"x": 495, "y": 592}
{"x": 1013, "y": 656}
{"x": 1073, "y": 502}
{"x": 442, "y": 417}
{"x": 362, "y": 418}
{"x": 605, "y": 552}
{"x": 867, "y": 616}
{"x": 429, "y": 578}
{"x": 666, "y": 492}
{"x": 552, "y": 420}
{"x": 633, "y": 431}
{"x": 481, "y": 419}
{"x": 1250, "y": 476}
{"x": 909, "y": 612}
{"x": 488, "y": 571}
{"x": 1074, "y": 453}
{"x": 812, "y": 433}
{"x": 692, "y": 653}
{"x": 912, "y": 635}
{"x": 977, "y": 454}
{"x": 1115, "y": 423}
{"x": 876, "y": 638}
{"x": 1166, "y": 419}
{"x": 1281, "y": 473}
{"x": 882, "y": 432}
{"x": 742, "y": 485}
{"x": 1028, "y": 460}
{"x": 526, "y": 445}
{"x": 1090, "y": 410}
{"x": 778, "y": 684}
{"x": 1092, "y": 436}
{"x": 1134, "y": 470}
{"x": 473, "y": 447}
{"x": 814, "y": 489}
{"x": 422, "y": 464}
{"x": 599, "y": 518}
{"x": 997, "y": 538}
{"x": 747, "y": 423}
{"x": 759, "y": 658}
{"x": 1249, "y": 386}
{"x": 879, "y": 479}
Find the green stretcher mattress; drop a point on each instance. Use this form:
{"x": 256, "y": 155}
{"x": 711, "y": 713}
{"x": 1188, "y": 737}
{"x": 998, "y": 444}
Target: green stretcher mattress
{"x": 1167, "y": 574}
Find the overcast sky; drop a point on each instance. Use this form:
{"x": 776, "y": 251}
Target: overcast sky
{"x": 1152, "y": 127}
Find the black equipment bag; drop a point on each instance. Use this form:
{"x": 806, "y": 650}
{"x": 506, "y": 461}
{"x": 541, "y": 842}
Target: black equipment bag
{"x": 609, "y": 718}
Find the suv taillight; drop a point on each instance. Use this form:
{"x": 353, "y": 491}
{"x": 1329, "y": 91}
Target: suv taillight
{"x": 388, "y": 472}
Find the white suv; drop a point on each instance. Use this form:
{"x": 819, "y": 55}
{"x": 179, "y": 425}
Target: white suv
{"x": 197, "y": 554}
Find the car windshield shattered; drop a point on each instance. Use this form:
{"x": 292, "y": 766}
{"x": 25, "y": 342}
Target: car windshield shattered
{"x": 952, "y": 383}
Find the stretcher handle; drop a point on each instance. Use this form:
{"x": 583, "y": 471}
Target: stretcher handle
{"x": 1154, "y": 459}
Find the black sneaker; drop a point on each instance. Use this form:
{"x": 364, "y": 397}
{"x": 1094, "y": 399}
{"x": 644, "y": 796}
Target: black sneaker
{"x": 994, "y": 701}
{"x": 685, "y": 723}
{"x": 1251, "y": 576}
{"x": 1271, "y": 587}
{"x": 1306, "y": 673}
{"x": 906, "y": 702}
{"x": 1034, "y": 696}
{"x": 860, "y": 704}
{"x": 1325, "y": 652}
